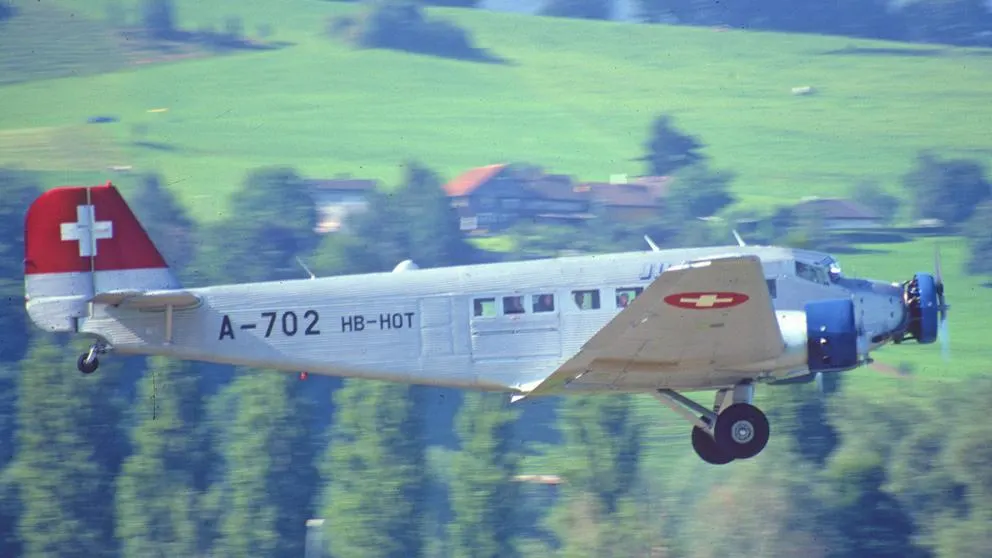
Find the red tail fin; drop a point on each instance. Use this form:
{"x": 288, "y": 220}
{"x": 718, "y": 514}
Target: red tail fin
{"x": 80, "y": 241}
{"x": 77, "y": 229}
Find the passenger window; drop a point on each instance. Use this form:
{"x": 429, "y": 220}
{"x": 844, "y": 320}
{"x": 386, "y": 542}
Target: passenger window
{"x": 586, "y": 300}
{"x": 544, "y": 302}
{"x": 513, "y": 305}
{"x": 484, "y": 307}
{"x": 626, "y": 295}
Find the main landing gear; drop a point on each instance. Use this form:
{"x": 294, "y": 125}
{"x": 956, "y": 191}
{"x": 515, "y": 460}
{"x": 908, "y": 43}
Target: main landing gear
{"x": 88, "y": 361}
{"x": 734, "y": 429}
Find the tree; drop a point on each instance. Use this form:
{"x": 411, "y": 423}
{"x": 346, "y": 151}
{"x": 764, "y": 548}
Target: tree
{"x": 603, "y": 437}
{"x": 872, "y": 521}
{"x": 375, "y": 470}
{"x": 599, "y": 459}
{"x": 435, "y": 237}
{"x": 158, "y": 18}
{"x": 273, "y": 220}
{"x": 946, "y": 189}
{"x": 167, "y": 222}
{"x": 583, "y": 9}
{"x": 19, "y": 191}
{"x": 870, "y": 194}
{"x": 455, "y": 3}
{"x": 269, "y": 476}
{"x": 160, "y": 484}
{"x": 484, "y": 494}
{"x": 414, "y": 221}
{"x": 761, "y": 508}
{"x": 69, "y": 450}
{"x": 979, "y": 235}
{"x": 697, "y": 191}
{"x": 6, "y": 11}
{"x": 668, "y": 149}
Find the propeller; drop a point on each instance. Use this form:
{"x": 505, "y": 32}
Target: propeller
{"x": 827, "y": 383}
{"x": 942, "y": 307}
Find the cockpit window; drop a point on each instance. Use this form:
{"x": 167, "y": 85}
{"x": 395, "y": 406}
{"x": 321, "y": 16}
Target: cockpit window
{"x": 814, "y": 273}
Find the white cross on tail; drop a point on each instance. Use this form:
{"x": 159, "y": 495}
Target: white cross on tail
{"x": 87, "y": 230}
{"x": 706, "y": 301}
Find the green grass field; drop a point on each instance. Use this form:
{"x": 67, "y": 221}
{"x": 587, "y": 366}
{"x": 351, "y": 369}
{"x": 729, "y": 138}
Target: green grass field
{"x": 576, "y": 97}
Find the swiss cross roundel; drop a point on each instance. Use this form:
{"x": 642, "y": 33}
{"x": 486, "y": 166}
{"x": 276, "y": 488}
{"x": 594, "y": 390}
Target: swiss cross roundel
{"x": 706, "y": 300}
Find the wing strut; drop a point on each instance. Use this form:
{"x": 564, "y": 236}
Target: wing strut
{"x": 678, "y": 403}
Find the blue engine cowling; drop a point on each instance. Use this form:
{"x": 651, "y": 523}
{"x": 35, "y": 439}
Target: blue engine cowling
{"x": 921, "y": 295}
{"x": 831, "y": 335}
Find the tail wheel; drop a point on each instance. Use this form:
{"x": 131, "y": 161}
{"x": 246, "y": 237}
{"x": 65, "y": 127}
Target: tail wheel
{"x": 742, "y": 431}
{"x": 707, "y": 448}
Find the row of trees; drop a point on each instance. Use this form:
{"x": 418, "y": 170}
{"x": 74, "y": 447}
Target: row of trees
{"x": 961, "y": 22}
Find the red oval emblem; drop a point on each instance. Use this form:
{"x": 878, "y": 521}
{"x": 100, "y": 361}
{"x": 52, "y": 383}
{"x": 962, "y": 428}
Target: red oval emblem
{"x": 706, "y": 300}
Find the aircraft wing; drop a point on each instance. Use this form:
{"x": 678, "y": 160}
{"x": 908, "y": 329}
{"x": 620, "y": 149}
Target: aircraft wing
{"x": 147, "y": 300}
{"x": 712, "y": 315}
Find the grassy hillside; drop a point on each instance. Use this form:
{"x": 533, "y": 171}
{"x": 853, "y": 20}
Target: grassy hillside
{"x": 46, "y": 40}
{"x": 576, "y": 97}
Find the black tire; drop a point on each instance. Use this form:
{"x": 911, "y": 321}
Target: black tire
{"x": 742, "y": 430}
{"x": 87, "y": 367}
{"x": 707, "y": 448}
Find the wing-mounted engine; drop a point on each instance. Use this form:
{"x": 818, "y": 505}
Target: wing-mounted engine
{"x": 831, "y": 335}
{"x": 821, "y": 339}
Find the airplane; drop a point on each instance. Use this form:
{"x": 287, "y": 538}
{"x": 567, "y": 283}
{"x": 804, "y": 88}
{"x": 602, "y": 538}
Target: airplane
{"x": 662, "y": 322}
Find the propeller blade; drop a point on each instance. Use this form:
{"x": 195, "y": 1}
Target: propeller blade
{"x": 828, "y": 383}
{"x": 945, "y": 338}
{"x": 936, "y": 265}
{"x": 943, "y": 333}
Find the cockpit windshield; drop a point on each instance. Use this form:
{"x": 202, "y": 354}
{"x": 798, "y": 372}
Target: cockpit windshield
{"x": 814, "y": 272}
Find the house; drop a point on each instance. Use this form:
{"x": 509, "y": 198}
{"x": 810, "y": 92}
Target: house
{"x": 495, "y": 197}
{"x": 838, "y": 213}
{"x": 337, "y": 198}
{"x": 636, "y": 199}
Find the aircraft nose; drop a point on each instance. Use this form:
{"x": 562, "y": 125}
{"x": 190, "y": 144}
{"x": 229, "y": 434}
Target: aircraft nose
{"x": 884, "y": 312}
{"x": 925, "y": 303}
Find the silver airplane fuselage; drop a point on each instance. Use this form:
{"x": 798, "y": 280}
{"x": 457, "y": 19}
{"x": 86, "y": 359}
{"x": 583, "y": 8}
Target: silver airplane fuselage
{"x": 465, "y": 326}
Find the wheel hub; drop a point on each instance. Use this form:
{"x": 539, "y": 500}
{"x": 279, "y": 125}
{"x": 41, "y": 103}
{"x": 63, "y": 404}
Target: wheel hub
{"x": 742, "y": 431}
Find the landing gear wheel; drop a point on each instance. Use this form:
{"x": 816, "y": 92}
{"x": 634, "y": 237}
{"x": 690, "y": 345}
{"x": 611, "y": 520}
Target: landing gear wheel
{"x": 87, "y": 366}
{"x": 742, "y": 430}
{"x": 707, "y": 448}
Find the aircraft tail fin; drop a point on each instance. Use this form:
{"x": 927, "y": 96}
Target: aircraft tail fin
{"x": 79, "y": 242}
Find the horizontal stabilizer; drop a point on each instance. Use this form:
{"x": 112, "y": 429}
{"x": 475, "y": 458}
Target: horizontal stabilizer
{"x": 147, "y": 300}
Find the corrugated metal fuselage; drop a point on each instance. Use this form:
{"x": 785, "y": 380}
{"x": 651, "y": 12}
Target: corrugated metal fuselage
{"x": 421, "y": 326}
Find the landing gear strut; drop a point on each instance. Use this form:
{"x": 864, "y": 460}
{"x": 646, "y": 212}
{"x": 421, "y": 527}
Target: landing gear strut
{"x": 734, "y": 429}
{"x": 88, "y": 361}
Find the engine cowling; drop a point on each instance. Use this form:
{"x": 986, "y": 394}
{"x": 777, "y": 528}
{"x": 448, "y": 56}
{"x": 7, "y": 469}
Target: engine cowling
{"x": 821, "y": 338}
{"x": 831, "y": 335}
{"x": 922, "y": 300}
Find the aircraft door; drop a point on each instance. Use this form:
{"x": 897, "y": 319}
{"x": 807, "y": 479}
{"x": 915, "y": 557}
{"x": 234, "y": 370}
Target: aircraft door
{"x": 515, "y": 325}
{"x": 441, "y": 335}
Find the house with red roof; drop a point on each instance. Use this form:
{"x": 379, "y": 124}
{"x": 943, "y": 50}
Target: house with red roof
{"x": 838, "y": 213}
{"x": 495, "y": 197}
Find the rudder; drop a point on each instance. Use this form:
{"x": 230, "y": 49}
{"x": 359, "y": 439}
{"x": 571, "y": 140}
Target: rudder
{"x": 80, "y": 241}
